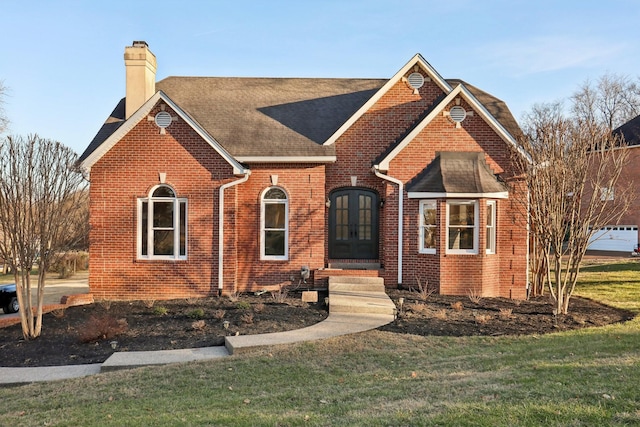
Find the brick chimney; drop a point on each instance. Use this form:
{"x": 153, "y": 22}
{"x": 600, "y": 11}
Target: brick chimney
{"x": 140, "y": 65}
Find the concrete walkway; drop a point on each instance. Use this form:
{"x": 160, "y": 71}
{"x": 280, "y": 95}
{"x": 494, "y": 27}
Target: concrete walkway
{"x": 336, "y": 324}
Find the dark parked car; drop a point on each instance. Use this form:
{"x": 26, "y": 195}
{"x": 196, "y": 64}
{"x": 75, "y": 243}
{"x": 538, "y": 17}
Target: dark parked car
{"x": 9, "y": 299}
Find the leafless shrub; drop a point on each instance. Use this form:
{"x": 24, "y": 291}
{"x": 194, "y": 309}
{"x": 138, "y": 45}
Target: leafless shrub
{"x": 506, "y": 313}
{"x": 457, "y": 306}
{"x": 441, "y": 314}
{"x": 247, "y": 318}
{"x": 280, "y": 296}
{"x": 219, "y": 314}
{"x": 233, "y": 296}
{"x": 474, "y": 296}
{"x": 424, "y": 290}
{"x": 58, "y": 313}
{"x": 192, "y": 300}
{"x": 198, "y": 325}
{"x": 482, "y": 318}
{"x": 102, "y": 327}
{"x": 149, "y": 303}
{"x": 106, "y": 304}
{"x": 418, "y": 308}
{"x": 259, "y": 307}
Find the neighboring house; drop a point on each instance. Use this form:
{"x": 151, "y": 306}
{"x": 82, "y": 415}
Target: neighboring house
{"x": 206, "y": 185}
{"x": 623, "y": 236}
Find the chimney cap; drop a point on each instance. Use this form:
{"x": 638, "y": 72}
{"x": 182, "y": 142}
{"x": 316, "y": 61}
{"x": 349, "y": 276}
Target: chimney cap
{"x": 140, "y": 43}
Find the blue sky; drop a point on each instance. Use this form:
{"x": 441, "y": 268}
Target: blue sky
{"x": 62, "y": 61}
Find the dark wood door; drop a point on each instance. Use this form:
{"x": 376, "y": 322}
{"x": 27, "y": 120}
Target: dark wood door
{"x": 353, "y": 224}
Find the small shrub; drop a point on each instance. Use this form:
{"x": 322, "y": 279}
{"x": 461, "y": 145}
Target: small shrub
{"x": 219, "y": 314}
{"x": 418, "y": 308}
{"x": 280, "y": 296}
{"x": 160, "y": 310}
{"x": 474, "y": 296}
{"x": 259, "y": 307}
{"x": 247, "y": 318}
{"x": 192, "y": 301}
{"x": 441, "y": 314}
{"x": 424, "y": 290}
{"x": 457, "y": 306}
{"x": 506, "y": 313}
{"x": 58, "y": 313}
{"x": 198, "y": 325}
{"x": 197, "y": 313}
{"x": 482, "y": 318}
{"x": 103, "y": 327}
{"x": 243, "y": 305}
{"x": 233, "y": 296}
{"x": 106, "y": 304}
{"x": 149, "y": 303}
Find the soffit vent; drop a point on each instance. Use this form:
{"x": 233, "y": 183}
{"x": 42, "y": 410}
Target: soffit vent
{"x": 416, "y": 80}
{"x": 163, "y": 119}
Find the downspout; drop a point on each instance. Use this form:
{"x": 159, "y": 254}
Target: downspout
{"x": 221, "y": 225}
{"x": 400, "y": 212}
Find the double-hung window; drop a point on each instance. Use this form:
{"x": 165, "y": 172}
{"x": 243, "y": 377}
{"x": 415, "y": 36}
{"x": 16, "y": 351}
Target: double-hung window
{"x": 491, "y": 227}
{"x": 274, "y": 241}
{"x": 428, "y": 226}
{"x": 462, "y": 227}
{"x": 162, "y": 225}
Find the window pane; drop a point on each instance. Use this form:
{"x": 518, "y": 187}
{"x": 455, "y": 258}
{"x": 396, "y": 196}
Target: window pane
{"x": 144, "y": 244}
{"x": 274, "y": 215}
{"x": 163, "y": 192}
{"x": 275, "y": 194}
{"x": 163, "y": 214}
{"x": 460, "y": 238}
{"x": 274, "y": 243}
{"x": 163, "y": 242}
{"x": 429, "y": 238}
{"x": 461, "y": 214}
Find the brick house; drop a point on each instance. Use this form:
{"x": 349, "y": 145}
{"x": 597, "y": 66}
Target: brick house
{"x": 624, "y": 235}
{"x": 203, "y": 186}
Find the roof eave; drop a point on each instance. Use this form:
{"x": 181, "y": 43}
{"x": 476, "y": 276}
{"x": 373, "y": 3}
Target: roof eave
{"x": 430, "y": 195}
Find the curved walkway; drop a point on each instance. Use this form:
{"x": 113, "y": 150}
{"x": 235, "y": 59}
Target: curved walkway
{"x": 336, "y": 324}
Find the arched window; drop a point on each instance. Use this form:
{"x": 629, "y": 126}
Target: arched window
{"x": 162, "y": 225}
{"x": 274, "y": 233}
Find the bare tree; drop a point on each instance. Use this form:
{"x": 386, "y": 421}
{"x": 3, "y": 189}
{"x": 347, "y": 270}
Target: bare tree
{"x": 574, "y": 166}
{"x": 4, "y": 121}
{"x": 612, "y": 101}
{"x": 40, "y": 196}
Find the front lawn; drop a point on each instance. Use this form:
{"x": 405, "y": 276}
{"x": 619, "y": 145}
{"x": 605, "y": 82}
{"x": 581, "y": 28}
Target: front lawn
{"x": 587, "y": 377}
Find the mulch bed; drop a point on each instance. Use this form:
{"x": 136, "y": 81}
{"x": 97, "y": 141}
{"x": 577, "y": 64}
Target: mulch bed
{"x": 82, "y": 334}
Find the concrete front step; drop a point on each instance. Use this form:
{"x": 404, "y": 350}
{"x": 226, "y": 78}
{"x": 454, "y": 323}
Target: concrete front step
{"x": 359, "y": 295}
{"x": 360, "y": 284}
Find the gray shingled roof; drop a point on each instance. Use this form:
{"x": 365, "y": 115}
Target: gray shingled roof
{"x": 457, "y": 172}
{"x": 276, "y": 117}
{"x": 630, "y": 131}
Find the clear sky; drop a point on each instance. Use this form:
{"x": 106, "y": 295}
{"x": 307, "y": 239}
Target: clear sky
{"x": 62, "y": 61}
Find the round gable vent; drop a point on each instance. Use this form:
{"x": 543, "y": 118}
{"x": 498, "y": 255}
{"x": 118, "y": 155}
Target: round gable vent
{"x": 163, "y": 119}
{"x": 457, "y": 114}
{"x": 416, "y": 80}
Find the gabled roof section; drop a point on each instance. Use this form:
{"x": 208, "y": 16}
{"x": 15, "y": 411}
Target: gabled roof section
{"x": 462, "y": 91}
{"x": 114, "y": 130}
{"x": 457, "y": 174}
{"x": 416, "y": 60}
{"x": 630, "y": 131}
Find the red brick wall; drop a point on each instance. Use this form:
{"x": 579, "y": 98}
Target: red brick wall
{"x": 304, "y": 186}
{"x": 127, "y": 172}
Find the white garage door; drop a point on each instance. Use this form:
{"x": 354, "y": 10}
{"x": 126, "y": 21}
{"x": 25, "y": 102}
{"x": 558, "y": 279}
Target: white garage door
{"x": 623, "y": 238}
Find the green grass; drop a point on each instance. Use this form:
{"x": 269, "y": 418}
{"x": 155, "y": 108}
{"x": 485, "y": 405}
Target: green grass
{"x": 588, "y": 377}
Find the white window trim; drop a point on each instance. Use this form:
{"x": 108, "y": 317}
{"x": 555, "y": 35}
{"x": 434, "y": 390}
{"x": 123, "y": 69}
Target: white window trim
{"x": 176, "y": 226}
{"x": 263, "y": 256}
{"x": 491, "y": 242}
{"x": 473, "y": 251}
{"x": 425, "y": 204}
